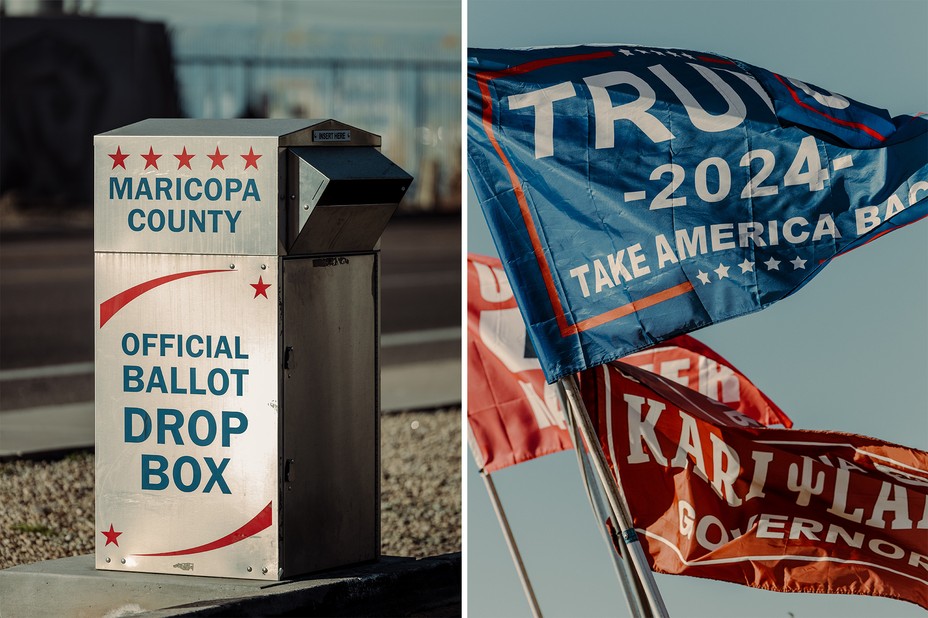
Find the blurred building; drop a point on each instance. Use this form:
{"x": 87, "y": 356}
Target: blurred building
{"x": 66, "y": 77}
{"x": 406, "y": 89}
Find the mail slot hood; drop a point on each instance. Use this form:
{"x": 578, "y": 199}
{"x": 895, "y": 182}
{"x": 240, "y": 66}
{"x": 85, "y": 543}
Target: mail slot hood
{"x": 341, "y": 197}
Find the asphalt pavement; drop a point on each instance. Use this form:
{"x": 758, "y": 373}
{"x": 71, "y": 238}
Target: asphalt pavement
{"x": 47, "y": 332}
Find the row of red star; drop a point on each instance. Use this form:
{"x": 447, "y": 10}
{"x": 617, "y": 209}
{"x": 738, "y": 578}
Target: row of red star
{"x": 183, "y": 159}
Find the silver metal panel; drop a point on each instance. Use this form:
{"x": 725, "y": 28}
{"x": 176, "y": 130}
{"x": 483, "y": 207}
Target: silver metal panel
{"x": 332, "y": 229}
{"x": 342, "y": 198}
{"x": 189, "y": 194}
{"x": 322, "y": 132}
{"x": 310, "y": 184}
{"x": 331, "y": 423}
{"x": 187, "y": 414}
{"x": 356, "y": 175}
{"x": 200, "y": 471}
{"x": 290, "y": 131}
{"x": 214, "y": 186}
{"x": 172, "y": 127}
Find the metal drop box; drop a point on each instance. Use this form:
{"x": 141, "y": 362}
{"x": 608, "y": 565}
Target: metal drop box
{"x": 237, "y": 294}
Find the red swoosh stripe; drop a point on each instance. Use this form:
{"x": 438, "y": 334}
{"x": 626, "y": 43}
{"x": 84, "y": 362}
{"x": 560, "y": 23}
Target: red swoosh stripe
{"x": 260, "y": 521}
{"x": 108, "y": 308}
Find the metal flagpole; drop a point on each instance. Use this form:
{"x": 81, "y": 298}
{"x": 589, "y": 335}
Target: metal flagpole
{"x": 627, "y": 580}
{"x": 636, "y": 553}
{"x": 511, "y": 543}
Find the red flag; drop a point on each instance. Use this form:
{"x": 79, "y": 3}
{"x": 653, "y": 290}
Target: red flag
{"x": 714, "y": 494}
{"x": 515, "y": 416}
{"x": 512, "y": 413}
{"x": 695, "y": 365}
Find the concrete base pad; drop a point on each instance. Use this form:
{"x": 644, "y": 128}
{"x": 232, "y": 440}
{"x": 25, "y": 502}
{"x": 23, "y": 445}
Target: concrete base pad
{"x": 72, "y": 587}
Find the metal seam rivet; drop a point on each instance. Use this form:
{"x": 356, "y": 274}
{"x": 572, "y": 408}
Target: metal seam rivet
{"x": 248, "y": 569}
{"x": 232, "y": 266}
{"x": 107, "y": 559}
{"x": 123, "y": 560}
{"x": 264, "y": 267}
{"x": 264, "y": 570}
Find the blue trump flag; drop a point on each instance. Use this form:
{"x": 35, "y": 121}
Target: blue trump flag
{"x": 637, "y": 193}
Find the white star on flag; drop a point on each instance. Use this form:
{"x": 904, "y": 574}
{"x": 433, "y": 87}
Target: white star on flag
{"x": 772, "y": 264}
{"x": 746, "y": 266}
{"x": 704, "y": 277}
{"x": 721, "y": 271}
{"x": 798, "y": 263}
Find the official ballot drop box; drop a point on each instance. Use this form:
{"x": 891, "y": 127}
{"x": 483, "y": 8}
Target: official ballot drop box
{"x": 237, "y": 362}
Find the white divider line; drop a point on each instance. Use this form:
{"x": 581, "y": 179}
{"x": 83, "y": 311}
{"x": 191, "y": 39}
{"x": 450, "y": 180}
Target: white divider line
{"x": 46, "y": 428}
{"x": 417, "y": 386}
{"x": 415, "y": 337}
{"x": 389, "y": 340}
{"x": 48, "y": 371}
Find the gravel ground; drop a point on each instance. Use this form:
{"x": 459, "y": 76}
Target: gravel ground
{"x": 46, "y": 507}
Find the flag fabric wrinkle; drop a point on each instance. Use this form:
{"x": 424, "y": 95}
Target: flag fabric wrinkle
{"x": 714, "y": 494}
{"x": 515, "y": 416}
{"x": 638, "y": 193}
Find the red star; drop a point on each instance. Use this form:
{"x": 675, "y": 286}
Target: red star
{"x": 118, "y": 159}
{"x": 260, "y": 287}
{"x": 151, "y": 159}
{"x": 217, "y": 159}
{"x": 183, "y": 159}
{"x": 251, "y": 159}
{"x": 111, "y": 536}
